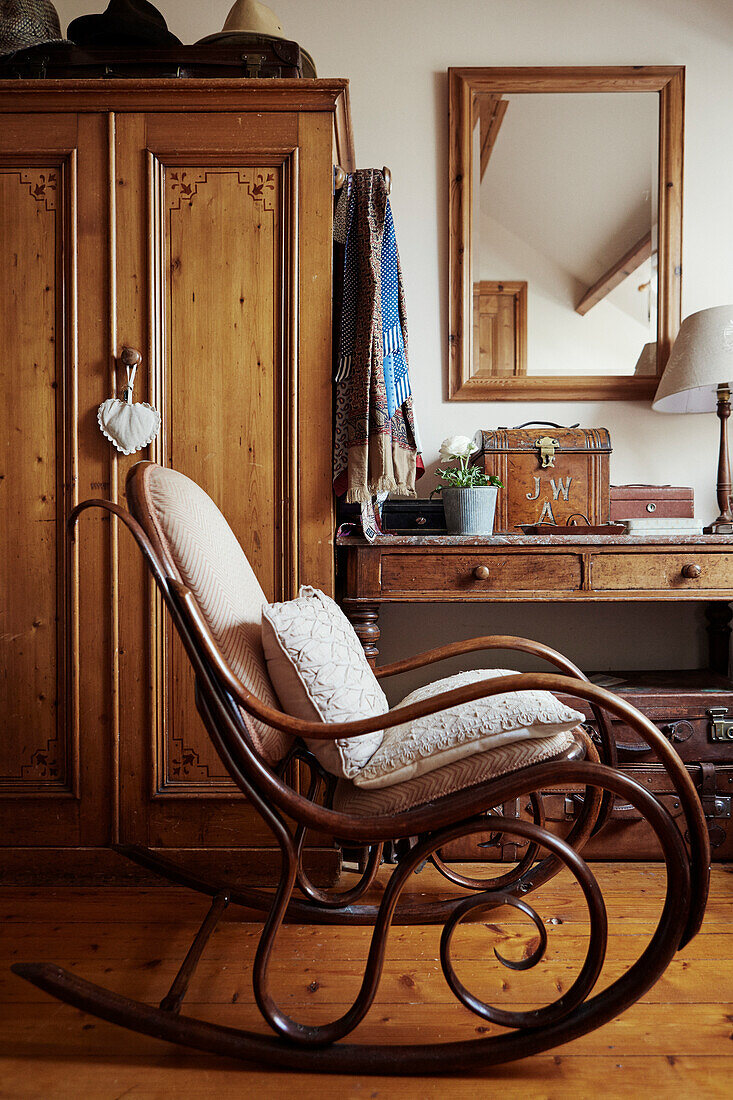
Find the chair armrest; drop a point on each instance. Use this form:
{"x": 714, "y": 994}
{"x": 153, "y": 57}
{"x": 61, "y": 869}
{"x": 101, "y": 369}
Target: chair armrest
{"x": 470, "y": 645}
{"x": 521, "y": 645}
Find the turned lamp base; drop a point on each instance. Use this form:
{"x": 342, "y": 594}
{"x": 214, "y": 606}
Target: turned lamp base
{"x": 718, "y": 528}
{"x": 723, "y": 525}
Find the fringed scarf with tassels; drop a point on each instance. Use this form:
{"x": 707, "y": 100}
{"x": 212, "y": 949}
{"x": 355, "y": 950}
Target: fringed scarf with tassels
{"x": 376, "y": 449}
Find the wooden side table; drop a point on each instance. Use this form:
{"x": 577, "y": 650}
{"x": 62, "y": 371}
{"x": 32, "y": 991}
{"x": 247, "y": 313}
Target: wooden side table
{"x": 526, "y": 568}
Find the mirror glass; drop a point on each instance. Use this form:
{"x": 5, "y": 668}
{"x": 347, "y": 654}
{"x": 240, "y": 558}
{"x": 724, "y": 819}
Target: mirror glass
{"x": 564, "y": 231}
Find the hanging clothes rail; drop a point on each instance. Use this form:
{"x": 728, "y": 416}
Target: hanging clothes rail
{"x": 339, "y": 178}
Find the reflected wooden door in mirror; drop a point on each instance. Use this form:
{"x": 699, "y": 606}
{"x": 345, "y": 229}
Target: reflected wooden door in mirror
{"x": 499, "y": 329}
{"x": 568, "y": 196}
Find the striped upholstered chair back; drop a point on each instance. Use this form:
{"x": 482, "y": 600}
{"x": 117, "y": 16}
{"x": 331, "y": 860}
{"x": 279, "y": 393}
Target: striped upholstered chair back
{"x": 199, "y": 548}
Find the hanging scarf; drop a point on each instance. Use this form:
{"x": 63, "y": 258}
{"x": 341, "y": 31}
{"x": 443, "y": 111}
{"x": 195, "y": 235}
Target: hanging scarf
{"x": 376, "y": 450}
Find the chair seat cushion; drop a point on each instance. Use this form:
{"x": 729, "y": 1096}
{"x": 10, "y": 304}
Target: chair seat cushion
{"x": 468, "y": 772}
{"x": 421, "y": 746}
{"x": 318, "y": 668}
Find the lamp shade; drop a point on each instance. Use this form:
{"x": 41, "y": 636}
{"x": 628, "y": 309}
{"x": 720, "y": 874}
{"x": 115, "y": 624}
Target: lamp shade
{"x": 701, "y": 360}
{"x": 646, "y": 364}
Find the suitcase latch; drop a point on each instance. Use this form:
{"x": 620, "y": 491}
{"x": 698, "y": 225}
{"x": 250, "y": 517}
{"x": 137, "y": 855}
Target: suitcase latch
{"x": 254, "y": 63}
{"x": 721, "y": 727}
{"x": 547, "y": 446}
{"x": 713, "y": 804}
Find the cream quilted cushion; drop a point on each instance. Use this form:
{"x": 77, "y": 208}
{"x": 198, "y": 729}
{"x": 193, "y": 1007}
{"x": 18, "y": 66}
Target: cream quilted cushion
{"x": 202, "y": 548}
{"x": 319, "y": 671}
{"x": 468, "y": 772}
{"x": 421, "y": 746}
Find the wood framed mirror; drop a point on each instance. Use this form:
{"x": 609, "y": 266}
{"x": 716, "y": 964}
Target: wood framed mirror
{"x": 565, "y": 254}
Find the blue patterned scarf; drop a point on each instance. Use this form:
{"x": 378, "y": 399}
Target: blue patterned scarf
{"x": 375, "y": 440}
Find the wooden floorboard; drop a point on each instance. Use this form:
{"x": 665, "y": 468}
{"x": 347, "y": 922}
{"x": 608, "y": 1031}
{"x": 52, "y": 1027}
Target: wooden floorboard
{"x": 676, "y": 1042}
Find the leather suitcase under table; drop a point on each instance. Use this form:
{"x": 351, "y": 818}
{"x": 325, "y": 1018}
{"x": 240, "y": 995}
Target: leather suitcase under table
{"x": 626, "y": 836}
{"x": 694, "y": 709}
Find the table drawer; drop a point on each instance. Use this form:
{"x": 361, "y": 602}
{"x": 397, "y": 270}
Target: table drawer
{"x": 478, "y": 573}
{"x": 682, "y": 572}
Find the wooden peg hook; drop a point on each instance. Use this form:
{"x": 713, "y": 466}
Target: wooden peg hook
{"x": 131, "y": 357}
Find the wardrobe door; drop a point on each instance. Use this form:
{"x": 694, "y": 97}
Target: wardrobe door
{"x": 213, "y": 280}
{"x": 56, "y": 740}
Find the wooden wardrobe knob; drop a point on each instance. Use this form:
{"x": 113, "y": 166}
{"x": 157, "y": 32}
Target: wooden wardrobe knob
{"x": 481, "y": 572}
{"x": 691, "y": 572}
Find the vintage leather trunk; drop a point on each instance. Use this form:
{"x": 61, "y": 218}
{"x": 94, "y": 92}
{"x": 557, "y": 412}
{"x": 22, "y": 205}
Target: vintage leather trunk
{"x": 627, "y": 837}
{"x": 255, "y": 55}
{"x": 692, "y": 707}
{"x": 644, "y": 501}
{"x": 549, "y": 473}
{"x": 694, "y": 710}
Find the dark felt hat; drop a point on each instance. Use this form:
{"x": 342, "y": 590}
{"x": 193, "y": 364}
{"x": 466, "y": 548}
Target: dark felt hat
{"x": 25, "y": 23}
{"x": 126, "y": 24}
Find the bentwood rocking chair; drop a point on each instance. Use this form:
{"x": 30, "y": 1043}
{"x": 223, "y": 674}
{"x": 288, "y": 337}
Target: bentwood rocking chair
{"x": 216, "y": 604}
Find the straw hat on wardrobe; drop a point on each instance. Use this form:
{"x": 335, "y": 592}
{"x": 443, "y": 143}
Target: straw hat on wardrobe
{"x": 249, "y": 17}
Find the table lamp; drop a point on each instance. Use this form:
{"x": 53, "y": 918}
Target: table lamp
{"x": 697, "y": 379}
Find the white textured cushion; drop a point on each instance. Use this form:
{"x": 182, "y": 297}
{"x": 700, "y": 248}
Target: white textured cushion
{"x": 420, "y": 746}
{"x": 318, "y": 668}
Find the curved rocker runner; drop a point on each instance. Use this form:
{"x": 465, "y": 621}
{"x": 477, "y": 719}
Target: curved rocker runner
{"x": 230, "y": 711}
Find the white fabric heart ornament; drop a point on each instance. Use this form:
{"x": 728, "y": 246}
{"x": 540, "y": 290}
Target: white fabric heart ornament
{"x": 129, "y": 425}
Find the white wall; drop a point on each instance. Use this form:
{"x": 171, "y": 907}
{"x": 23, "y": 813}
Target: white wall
{"x": 396, "y": 53}
{"x": 606, "y": 340}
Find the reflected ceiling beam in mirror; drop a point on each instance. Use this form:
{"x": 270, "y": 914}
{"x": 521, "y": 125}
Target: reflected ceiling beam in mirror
{"x": 492, "y": 109}
{"x": 616, "y": 274}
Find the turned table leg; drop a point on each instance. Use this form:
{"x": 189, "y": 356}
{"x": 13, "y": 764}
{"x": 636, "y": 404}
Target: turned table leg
{"x": 364, "y": 617}
{"x": 719, "y": 615}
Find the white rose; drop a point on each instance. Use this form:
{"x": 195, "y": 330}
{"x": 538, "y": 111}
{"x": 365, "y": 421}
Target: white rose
{"x": 457, "y": 446}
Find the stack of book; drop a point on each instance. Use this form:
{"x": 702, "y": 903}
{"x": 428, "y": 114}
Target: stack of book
{"x": 662, "y": 526}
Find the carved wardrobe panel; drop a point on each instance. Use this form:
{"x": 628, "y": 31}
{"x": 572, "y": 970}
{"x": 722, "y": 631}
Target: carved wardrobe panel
{"x": 53, "y": 654}
{"x": 221, "y": 379}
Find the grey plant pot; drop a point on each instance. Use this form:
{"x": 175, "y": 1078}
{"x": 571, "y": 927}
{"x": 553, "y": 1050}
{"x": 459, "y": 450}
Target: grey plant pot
{"x": 470, "y": 511}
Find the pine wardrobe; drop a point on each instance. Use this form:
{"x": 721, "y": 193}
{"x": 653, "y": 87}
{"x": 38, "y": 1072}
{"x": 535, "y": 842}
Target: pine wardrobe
{"x": 189, "y": 220}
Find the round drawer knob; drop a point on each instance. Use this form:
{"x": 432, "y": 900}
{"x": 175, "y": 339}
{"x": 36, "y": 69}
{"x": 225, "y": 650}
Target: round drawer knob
{"x": 691, "y": 572}
{"x": 481, "y": 572}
